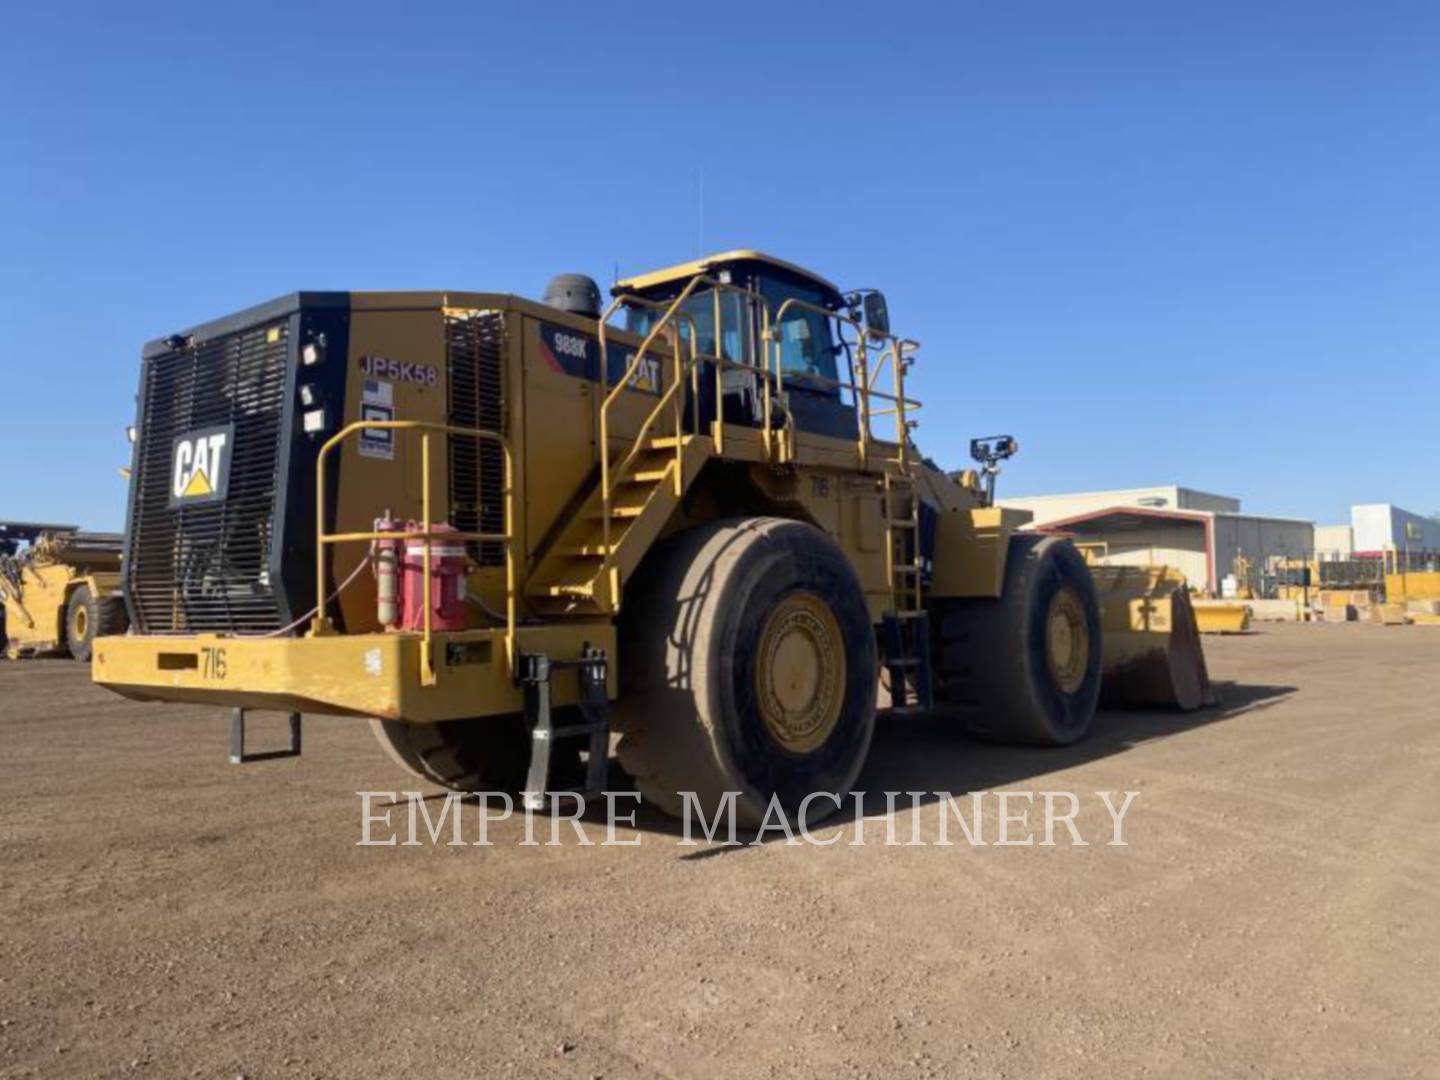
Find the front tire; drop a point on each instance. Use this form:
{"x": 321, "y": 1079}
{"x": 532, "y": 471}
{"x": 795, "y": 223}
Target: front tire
{"x": 748, "y": 665}
{"x": 1026, "y": 667}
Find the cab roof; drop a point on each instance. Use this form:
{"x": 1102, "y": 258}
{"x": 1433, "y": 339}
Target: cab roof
{"x": 743, "y": 258}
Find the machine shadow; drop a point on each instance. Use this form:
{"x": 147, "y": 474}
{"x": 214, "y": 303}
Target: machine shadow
{"x": 933, "y": 754}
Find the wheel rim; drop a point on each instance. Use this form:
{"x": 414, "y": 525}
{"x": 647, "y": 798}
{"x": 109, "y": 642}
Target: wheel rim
{"x": 800, "y": 675}
{"x": 1067, "y": 640}
{"x": 80, "y": 624}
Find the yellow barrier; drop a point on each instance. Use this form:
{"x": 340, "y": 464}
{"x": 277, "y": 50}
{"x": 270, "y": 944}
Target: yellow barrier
{"x": 1420, "y": 585}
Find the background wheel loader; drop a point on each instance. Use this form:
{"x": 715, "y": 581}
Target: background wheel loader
{"x": 60, "y": 588}
{"x": 500, "y": 529}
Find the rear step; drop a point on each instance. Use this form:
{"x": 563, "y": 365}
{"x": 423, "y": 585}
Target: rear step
{"x": 238, "y": 753}
{"x": 590, "y": 668}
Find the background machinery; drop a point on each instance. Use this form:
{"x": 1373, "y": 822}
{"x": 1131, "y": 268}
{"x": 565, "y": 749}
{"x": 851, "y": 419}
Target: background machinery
{"x": 500, "y": 529}
{"x": 60, "y": 588}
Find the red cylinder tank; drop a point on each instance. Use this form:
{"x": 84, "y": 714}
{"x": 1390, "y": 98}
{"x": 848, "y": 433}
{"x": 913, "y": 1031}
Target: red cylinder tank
{"x": 448, "y": 564}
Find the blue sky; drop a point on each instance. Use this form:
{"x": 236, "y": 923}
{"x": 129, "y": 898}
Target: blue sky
{"x": 1158, "y": 242}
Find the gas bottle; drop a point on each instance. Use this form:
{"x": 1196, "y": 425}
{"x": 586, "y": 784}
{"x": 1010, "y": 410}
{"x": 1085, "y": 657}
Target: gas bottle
{"x": 387, "y": 573}
{"x": 447, "y": 580}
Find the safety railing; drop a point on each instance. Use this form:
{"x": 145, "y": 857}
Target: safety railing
{"x": 894, "y": 355}
{"x": 321, "y": 624}
{"x": 767, "y": 367}
{"x": 685, "y": 368}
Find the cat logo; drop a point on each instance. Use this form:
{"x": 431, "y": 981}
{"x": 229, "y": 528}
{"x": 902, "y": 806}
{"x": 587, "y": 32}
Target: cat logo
{"x": 200, "y": 466}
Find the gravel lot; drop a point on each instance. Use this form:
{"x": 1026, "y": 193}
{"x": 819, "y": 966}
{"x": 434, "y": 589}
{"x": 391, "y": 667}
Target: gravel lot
{"x": 1275, "y": 911}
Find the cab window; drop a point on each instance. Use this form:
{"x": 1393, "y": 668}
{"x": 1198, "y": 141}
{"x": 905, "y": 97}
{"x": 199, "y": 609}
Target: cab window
{"x": 734, "y": 325}
{"x": 807, "y": 351}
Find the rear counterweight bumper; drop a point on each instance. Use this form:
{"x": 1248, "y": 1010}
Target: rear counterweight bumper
{"x": 364, "y": 675}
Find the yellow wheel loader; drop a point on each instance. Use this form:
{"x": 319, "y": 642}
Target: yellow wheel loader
{"x": 61, "y": 589}
{"x": 499, "y": 530}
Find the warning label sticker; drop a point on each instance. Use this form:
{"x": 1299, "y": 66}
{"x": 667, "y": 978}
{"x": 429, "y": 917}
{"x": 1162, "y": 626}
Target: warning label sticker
{"x": 377, "y": 403}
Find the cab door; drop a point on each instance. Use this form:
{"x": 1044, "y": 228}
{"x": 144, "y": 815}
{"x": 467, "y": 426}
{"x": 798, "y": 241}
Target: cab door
{"x": 809, "y": 362}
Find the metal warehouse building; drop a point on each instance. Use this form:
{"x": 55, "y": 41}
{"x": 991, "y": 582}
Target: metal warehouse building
{"x": 1206, "y": 537}
{"x": 1380, "y": 527}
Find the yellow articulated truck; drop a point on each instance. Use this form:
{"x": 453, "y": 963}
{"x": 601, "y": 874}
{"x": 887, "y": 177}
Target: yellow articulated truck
{"x": 60, "y": 587}
{"x": 498, "y": 530}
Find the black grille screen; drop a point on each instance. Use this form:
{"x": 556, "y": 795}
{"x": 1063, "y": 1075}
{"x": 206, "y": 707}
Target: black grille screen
{"x": 475, "y": 349}
{"x": 206, "y": 567}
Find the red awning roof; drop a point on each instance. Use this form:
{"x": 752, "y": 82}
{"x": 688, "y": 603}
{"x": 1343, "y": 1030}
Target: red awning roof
{"x": 1124, "y": 517}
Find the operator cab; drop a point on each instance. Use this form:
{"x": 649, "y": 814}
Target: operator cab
{"x": 814, "y": 359}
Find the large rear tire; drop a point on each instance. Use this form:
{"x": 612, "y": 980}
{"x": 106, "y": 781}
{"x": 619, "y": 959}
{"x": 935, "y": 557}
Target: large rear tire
{"x": 489, "y": 754}
{"x": 484, "y": 754}
{"x": 1026, "y": 667}
{"x": 748, "y": 665}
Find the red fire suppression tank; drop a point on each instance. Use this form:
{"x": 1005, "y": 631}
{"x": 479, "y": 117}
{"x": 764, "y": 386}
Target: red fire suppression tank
{"x": 447, "y": 580}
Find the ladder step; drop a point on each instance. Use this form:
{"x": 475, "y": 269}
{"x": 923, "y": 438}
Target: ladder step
{"x": 905, "y": 568}
{"x": 664, "y": 442}
{"x": 908, "y": 614}
{"x": 588, "y": 551}
{"x": 535, "y": 674}
{"x": 646, "y": 476}
{"x": 900, "y": 523}
{"x": 577, "y": 729}
{"x": 585, "y": 591}
{"x": 618, "y": 512}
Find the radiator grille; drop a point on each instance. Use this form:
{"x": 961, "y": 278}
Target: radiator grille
{"x": 205, "y": 567}
{"x": 475, "y": 351}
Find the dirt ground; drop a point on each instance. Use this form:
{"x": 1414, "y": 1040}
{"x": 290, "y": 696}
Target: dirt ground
{"x": 1275, "y": 911}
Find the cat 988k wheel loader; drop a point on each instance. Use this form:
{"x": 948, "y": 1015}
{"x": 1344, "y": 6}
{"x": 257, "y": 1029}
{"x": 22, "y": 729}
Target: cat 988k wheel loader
{"x": 498, "y": 530}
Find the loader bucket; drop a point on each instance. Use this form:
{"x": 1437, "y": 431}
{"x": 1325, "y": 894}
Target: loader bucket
{"x": 1220, "y": 617}
{"x": 1151, "y": 653}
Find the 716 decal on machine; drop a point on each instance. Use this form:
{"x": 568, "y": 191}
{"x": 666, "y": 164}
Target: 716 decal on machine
{"x": 212, "y": 664}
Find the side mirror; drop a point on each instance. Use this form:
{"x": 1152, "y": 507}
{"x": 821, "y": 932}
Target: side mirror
{"x": 877, "y": 314}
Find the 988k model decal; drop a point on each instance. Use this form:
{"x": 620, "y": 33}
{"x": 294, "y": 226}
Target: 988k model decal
{"x": 572, "y": 353}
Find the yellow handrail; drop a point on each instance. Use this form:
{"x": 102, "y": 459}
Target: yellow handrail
{"x": 767, "y": 365}
{"x": 611, "y": 477}
{"x": 320, "y": 625}
{"x": 864, "y": 389}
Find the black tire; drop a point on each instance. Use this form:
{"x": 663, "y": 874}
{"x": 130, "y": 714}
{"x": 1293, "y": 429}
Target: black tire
{"x": 485, "y": 754}
{"x": 88, "y": 617}
{"x": 82, "y": 622}
{"x": 111, "y": 615}
{"x": 997, "y": 659}
{"x": 711, "y": 616}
